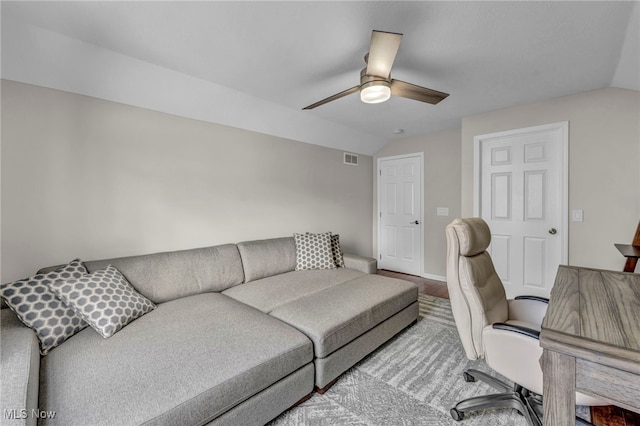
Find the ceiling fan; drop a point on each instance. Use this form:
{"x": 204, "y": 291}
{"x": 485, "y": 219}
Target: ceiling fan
{"x": 376, "y": 84}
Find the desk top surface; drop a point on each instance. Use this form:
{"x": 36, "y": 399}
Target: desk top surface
{"x": 595, "y": 310}
{"x": 628, "y": 250}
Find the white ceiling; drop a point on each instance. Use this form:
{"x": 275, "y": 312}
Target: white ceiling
{"x": 254, "y": 65}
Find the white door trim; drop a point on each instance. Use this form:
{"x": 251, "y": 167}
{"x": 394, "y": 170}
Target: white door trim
{"x": 379, "y": 207}
{"x": 563, "y": 126}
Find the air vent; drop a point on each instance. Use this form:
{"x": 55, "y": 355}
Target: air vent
{"x": 351, "y": 159}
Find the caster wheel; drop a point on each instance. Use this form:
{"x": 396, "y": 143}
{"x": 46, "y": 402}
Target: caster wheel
{"x": 468, "y": 377}
{"x": 456, "y": 415}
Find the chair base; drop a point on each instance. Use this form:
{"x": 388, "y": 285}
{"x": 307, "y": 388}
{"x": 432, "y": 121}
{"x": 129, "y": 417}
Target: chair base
{"x": 526, "y": 402}
{"x": 517, "y": 397}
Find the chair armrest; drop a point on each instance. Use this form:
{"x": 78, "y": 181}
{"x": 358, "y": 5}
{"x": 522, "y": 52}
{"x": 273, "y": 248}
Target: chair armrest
{"x": 19, "y": 369}
{"x": 531, "y": 309}
{"x": 368, "y": 265}
{"x": 536, "y": 298}
{"x": 517, "y": 329}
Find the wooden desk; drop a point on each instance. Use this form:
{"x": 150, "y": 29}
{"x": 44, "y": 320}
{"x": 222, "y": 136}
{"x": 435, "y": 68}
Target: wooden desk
{"x": 591, "y": 341}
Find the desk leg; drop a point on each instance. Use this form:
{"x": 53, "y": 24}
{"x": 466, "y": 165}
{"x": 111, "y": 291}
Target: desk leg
{"x": 630, "y": 264}
{"x": 559, "y": 389}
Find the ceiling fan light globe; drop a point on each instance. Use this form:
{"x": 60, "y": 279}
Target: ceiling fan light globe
{"x": 375, "y": 92}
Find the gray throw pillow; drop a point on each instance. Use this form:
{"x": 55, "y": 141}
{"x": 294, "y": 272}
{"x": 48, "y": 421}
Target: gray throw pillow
{"x": 41, "y": 310}
{"x": 313, "y": 251}
{"x": 338, "y": 258}
{"x": 104, "y": 299}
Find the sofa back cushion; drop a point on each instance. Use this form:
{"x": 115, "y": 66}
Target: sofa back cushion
{"x": 170, "y": 275}
{"x": 264, "y": 258}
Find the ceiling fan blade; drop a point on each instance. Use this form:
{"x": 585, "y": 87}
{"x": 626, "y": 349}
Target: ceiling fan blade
{"x": 411, "y": 91}
{"x": 382, "y": 53}
{"x": 334, "y": 97}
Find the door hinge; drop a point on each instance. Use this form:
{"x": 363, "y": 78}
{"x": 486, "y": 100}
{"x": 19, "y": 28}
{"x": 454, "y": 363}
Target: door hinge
{"x": 380, "y": 257}
{"x": 380, "y": 214}
{"x": 380, "y": 172}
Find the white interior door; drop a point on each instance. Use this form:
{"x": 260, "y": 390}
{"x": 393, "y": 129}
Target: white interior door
{"x": 400, "y": 214}
{"x": 521, "y": 190}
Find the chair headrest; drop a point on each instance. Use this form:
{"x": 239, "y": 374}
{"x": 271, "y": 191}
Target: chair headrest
{"x": 473, "y": 234}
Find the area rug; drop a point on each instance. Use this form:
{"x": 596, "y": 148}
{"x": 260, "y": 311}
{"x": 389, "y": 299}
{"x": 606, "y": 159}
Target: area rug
{"x": 414, "y": 379}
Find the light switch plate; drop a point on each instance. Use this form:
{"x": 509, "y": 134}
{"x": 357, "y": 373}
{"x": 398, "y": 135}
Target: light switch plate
{"x": 577, "y": 215}
{"x": 442, "y": 211}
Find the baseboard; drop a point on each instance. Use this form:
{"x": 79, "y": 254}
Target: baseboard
{"x": 435, "y": 277}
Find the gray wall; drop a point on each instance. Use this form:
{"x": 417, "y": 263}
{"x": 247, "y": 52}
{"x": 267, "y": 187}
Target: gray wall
{"x": 95, "y": 179}
{"x": 604, "y": 171}
{"x": 604, "y": 160}
{"x": 441, "y": 171}
{"x": 83, "y": 177}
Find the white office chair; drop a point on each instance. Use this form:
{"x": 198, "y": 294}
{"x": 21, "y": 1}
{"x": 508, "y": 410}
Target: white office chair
{"x": 503, "y": 332}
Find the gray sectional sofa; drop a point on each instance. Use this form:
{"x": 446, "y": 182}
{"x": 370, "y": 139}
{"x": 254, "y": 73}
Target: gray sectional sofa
{"x": 238, "y": 337}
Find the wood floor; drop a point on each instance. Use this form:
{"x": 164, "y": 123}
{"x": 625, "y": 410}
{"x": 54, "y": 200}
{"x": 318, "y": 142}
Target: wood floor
{"x": 600, "y": 416}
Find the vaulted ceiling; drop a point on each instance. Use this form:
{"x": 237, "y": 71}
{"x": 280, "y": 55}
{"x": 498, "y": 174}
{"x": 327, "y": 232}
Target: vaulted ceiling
{"x": 254, "y": 65}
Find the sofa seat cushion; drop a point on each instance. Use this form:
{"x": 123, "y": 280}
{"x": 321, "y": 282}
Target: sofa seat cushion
{"x": 333, "y": 317}
{"x": 186, "y": 362}
{"x": 268, "y": 293}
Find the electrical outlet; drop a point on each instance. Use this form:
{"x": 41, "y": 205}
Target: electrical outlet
{"x": 442, "y": 211}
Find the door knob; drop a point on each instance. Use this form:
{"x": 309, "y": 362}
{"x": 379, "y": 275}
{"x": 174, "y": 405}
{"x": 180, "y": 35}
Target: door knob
{"x": 415, "y": 222}
{"x": 553, "y": 231}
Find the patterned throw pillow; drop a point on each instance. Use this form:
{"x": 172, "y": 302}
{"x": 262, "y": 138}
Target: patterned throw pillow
{"x": 40, "y": 309}
{"x": 104, "y": 299}
{"x": 313, "y": 251}
{"x": 338, "y": 259}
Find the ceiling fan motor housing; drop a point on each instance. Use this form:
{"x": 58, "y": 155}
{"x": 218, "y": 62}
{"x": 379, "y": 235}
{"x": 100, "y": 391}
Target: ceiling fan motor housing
{"x": 374, "y": 89}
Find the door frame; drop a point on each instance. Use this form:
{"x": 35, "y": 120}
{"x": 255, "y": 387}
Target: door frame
{"x": 379, "y": 207}
{"x": 563, "y": 127}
